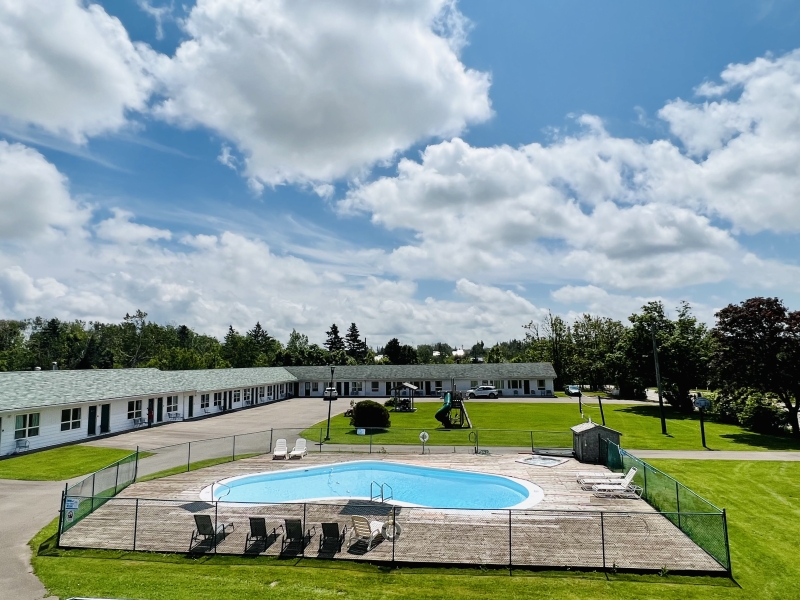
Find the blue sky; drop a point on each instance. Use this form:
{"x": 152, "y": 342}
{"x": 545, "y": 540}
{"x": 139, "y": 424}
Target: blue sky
{"x": 427, "y": 169}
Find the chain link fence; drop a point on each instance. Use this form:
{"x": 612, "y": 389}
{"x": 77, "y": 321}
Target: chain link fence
{"x": 632, "y": 541}
{"x": 703, "y": 522}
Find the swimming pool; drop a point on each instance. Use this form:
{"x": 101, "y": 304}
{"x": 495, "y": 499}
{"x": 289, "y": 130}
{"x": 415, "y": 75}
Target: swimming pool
{"x": 408, "y": 485}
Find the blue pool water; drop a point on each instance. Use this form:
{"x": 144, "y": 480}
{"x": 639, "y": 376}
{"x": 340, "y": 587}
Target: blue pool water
{"x": 411, "y": 485}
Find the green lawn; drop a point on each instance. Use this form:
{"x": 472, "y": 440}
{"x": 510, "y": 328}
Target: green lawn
{"x": 639, "y": 424}
{"x": 60, "y": 463}
{"x": 764, "y": 518}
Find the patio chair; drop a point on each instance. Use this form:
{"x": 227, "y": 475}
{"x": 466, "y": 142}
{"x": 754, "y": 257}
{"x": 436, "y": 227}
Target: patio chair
{"x": 331, "y": 537}
{"x": 366, "y": 531}
{"x": 293, "y": 534}
{"x": 280, "y": 450}
{"x": 588, "y": 484}
{"x": 617, "y": 491}
{"x": 604, "y": 475}
{"x": 206, "y": 532}
{"x": 22, "y": 445}
{"x": 258, "y": 532}
{"x": 299, "y": 450}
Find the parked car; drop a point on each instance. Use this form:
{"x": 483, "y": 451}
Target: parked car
{"x": 573, "y": 390}
{"x": 483, "y": 391}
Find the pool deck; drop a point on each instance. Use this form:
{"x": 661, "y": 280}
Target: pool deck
{"x": 630, "y": 534}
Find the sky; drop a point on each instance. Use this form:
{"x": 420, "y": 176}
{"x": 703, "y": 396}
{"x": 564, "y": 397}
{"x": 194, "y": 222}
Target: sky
{"x": 431, "y": 170}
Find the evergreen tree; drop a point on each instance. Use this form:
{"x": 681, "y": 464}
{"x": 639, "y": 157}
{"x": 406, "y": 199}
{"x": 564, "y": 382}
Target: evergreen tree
{"x": 334, "y": 342}
{"x": 354, "y": 345}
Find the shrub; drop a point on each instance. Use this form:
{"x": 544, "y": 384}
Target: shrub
{"x": 749, "y": 408}
{"x": 368, "y": 413}
{"x": 390, "y": 403}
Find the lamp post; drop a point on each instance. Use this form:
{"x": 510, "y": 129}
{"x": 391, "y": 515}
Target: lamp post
{"x": 658, "y": 380}
{"x": 330, "y": 396}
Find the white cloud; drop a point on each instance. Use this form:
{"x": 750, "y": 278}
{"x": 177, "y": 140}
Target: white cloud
{"x": 34, "y": 198}
{"x": 312, "y": 92}
{"x": 120, "y": 229}
{"x": 69, "y": 68}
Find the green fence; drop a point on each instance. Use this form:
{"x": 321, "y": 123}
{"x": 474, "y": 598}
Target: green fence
{"x": 704, "y": 523}
{"x": 84, "y": 497}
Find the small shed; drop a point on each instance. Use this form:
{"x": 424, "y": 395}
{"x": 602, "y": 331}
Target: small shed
{"x": 586, "y": 444}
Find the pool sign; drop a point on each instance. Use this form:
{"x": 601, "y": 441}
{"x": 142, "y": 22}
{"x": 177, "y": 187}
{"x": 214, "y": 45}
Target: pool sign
{"x": 72, "y": 503}
{"x": 70, "y": 516}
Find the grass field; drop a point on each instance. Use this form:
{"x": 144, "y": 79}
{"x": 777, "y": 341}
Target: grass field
{"x": 60, "y": 463}
{"x": 639, "y": 423}
{"x": 764, "y": 518}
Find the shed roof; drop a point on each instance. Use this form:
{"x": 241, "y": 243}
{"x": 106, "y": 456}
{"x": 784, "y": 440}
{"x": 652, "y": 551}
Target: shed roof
{"x": 421, "y": 372}
{"x": 588, "y": 426}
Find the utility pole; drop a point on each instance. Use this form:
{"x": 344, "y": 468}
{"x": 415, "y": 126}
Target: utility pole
{"x": 658, "y": 380}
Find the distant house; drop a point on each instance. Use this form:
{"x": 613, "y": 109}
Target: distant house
{"x": 48, "y": 408}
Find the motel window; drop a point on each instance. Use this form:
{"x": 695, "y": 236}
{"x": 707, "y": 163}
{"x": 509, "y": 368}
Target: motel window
{"x": 134, "y": 409}
{"x": 541, "y": 384}
{"x": 315, "y": 386}
{"x": 376, "y": 386}
{"x": 437, "y": 385}
{"x": 269, "y": 390}
{"x": 514, "y": 384}
{"x": 203, "y": 400}
{"x": 283, "y": 388}
{"x": 172, "y": 404}
{"x": 237, "y": 395}
{"x": 261, "y": 392}
{"x": 473, "y": 384}
{"x": 247, "y": 395}
{"x": 26, "y": 426}
{"x": 217, "y": 398}
{"x": 356, "y": 387}
{"x": 70, "y": 419}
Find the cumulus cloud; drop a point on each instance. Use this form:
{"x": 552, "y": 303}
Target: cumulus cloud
{"x": 70, "y": 68}
{"x": 34, "y": 197}
{"x": 309, "y": 94}
{"x": 120, "y": 229}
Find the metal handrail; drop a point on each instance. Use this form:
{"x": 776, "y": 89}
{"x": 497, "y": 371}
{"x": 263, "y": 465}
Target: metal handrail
{"x": 373, "y": 496}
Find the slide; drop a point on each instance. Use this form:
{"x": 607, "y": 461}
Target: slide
{"x": 443, "y": 414}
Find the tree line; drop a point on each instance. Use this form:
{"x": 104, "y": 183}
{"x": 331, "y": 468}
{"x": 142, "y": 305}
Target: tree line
{"x": 750, "y": 358}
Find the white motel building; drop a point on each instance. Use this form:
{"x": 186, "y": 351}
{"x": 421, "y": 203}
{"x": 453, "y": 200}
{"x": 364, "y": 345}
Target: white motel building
{"x": 39, "y": 409}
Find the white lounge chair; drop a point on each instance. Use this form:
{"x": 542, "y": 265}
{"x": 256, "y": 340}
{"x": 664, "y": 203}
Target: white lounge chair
{"x": 299, "y": 450}
{"x": 365, "y": 530}
{"x": 581, "y": 475}
{"x": 621, "y": 488}
{"x": 626, "y": 480}
{"x": 280, "y": 450}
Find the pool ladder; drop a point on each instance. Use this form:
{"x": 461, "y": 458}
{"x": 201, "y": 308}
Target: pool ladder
{"x": 381, "y": 489}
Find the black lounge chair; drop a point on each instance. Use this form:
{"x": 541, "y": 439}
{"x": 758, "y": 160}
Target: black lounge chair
{"x": 258, "y": 532}
{"x": 331, "y": 537}
{"x": 293, "y": 534}
{"x": 206, "y": 532}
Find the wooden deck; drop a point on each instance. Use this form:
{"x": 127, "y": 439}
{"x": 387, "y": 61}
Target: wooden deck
{"x": 565, "y": 530}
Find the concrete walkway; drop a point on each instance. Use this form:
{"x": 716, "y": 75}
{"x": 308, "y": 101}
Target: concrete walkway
{"x": 25, "y": 507}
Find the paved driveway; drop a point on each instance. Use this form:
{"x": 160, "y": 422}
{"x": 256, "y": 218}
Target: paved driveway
{"x": 294, "y": 413}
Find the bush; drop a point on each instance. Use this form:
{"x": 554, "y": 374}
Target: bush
{"x": 368, "y": 413}
{"x": 390, "y": 403}
{"x": 749, "y": 408}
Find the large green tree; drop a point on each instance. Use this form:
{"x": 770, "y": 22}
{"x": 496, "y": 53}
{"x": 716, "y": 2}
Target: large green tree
{"x": 334, "y": 341}
{"x": 757, "y": 345}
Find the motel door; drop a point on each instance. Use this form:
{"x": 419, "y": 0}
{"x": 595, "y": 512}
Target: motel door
{"x": 346, "y": 388}
{"x": 105, "y": 418}
{"x": 160, "y": 410}
{"x": 92, "y": 421}
{"x": 526, "y": 385}
{"x": 308, "y": 388}
{"x": 427, "y": 388}
{"x": 191, "y": 406}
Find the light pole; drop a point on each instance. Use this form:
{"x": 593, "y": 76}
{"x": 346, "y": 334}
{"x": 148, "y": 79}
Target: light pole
{"x": 330, "y": 396}
{"x": 658, "y": 380}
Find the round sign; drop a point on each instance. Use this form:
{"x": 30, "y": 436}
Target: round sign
{"x": 702, "y": 403}
{"x": 423, "y": 437}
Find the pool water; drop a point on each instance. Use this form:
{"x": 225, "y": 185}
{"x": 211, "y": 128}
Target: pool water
{"x": 410, "y": 486}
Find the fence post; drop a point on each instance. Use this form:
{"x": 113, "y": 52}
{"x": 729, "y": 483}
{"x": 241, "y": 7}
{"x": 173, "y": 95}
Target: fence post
{"x": 532, "y": 442}
{"x": 270, "y": 441}
{"x": 477, "y": 442}
{"x": 320, "y": 439}
{"x": 370, "y": 442}
{"x": 645, "y": 477}
{"x": 189, "y": 458}
{"x": 727, "y": 542}
{"x": 93, "y": 478}
{"x": 509, "y": 542}
{"x": 603, "y": 539}
{"x": 136, "y": 466}
{"x": 116, "y": 479}
{"x": 135, "y": 523}
{"x": 303, "y": 533}
{"x": 216, "y": 520}
{"x": 394, "y": 526}
{"x": 233, "y": 451}
{"x": 678, "y": 502}
{"x": 61, "y": 514}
